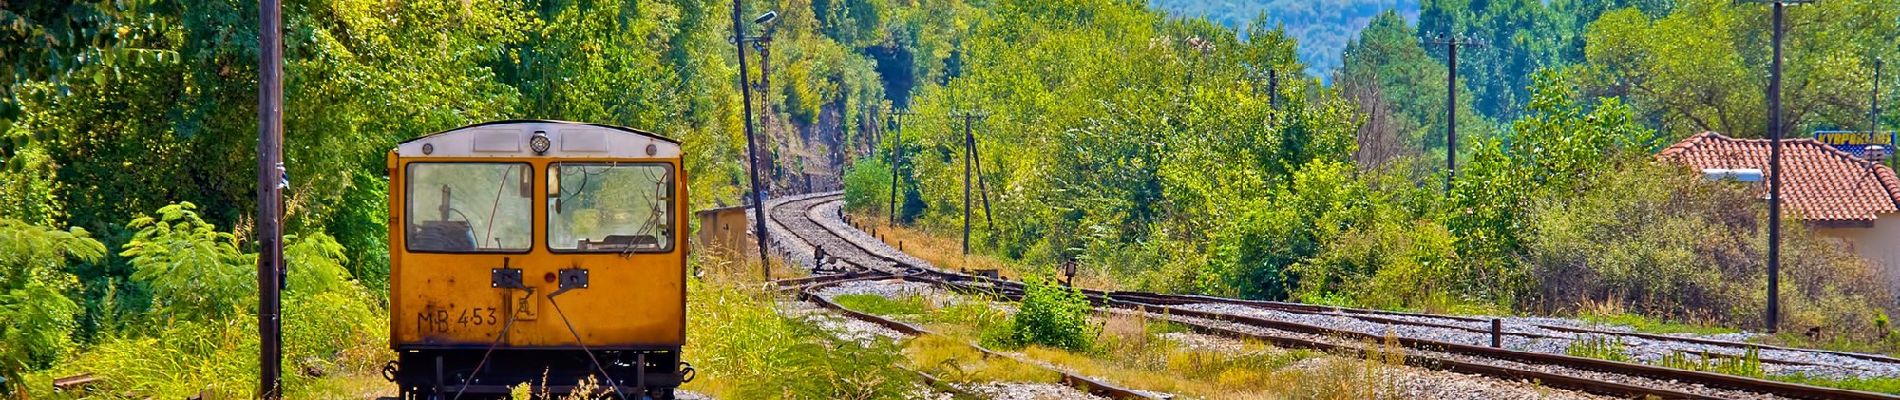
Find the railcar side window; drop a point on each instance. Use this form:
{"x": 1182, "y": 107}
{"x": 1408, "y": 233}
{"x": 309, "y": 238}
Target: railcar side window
{"x": 470, "y": 207}
{"x": 610, "y": 207}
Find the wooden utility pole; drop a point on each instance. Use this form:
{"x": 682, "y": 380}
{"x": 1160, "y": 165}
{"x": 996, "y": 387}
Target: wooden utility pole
{"x": 1774, "y": 165}
{"x": 982, "y": 185}
{"x": 897, "y": 154}
{"x": 270, "y": 230}
{"x": 1451, "y": 102}
{"x": 1273, "y": 87}
{"x": 969, "y": 118}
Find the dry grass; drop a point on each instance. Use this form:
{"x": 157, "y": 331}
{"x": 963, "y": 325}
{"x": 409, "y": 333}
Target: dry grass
{"x": 1132, "y": 352}
{"x": 953, "y": 359}
{"x": 946, "y": 252}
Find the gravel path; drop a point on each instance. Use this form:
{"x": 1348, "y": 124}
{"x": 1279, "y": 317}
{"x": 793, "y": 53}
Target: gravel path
{"x": 840, "y": 326}
{"x": 1024, "y": 391}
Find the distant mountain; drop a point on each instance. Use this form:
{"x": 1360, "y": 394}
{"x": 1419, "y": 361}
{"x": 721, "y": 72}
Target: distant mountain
{"x": 1323, "y": 27}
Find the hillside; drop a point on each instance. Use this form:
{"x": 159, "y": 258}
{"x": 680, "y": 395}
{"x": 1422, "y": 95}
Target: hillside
{"x": 1322, "y": 27}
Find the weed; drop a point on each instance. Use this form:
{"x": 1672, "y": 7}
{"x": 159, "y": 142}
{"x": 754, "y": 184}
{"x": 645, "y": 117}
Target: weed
{"x": 1749, "y": 364}
{"x": 1599, "y": 347}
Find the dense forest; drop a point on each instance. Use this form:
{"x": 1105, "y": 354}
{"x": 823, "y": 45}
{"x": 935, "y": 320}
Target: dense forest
{"x": 1141, "y": 143}
{"x": 1321, "y": 27}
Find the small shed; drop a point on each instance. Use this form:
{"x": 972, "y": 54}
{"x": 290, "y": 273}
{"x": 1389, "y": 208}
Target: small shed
{"x": 724, "y": 230}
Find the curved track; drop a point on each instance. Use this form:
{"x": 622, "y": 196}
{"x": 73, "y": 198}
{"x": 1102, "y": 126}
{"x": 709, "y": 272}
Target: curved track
{"x": 814, "y": 222}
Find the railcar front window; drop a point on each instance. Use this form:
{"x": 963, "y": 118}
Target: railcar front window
{"x": 610, "y": 207}
{"x": 470, "y": 207}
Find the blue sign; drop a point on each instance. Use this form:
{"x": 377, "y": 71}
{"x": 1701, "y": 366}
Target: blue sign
{"x": 1857, "y": 142}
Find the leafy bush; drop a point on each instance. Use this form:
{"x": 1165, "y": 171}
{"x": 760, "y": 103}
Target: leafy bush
{"x": 1664, "y": 243}
{"x": 203, "y": 288}
{"x": 194, "y": 271}
{"x": 36, "y": 318}
{"x": 1050, "y": 315}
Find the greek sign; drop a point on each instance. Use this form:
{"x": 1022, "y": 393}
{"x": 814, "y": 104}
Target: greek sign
{"x": 1858, "y": 142}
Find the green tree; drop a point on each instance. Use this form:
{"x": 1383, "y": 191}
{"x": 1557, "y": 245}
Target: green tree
{"x": 1703, "y": 67}
{"x": 1555, "y": 149}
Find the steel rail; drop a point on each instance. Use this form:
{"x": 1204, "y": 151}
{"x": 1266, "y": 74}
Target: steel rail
{"x": 806, "y": 290}
{"x": 1297, "y": 307}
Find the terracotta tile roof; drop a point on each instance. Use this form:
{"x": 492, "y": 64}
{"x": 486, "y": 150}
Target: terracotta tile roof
{"x": 1819, "y": 182}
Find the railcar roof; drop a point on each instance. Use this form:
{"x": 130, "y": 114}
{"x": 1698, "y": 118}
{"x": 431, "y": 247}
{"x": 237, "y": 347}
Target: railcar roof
{"x": 511, "y": 138}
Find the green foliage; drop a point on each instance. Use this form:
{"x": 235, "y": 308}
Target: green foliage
{"x": 1050, "y": 315}
{"x": 1550, "y": 153}
{"x": 1876, "y": 385}
{"x": 203, "y": 287}
{"x": 1645, "y": 324}
{"x": 1748, "y": 364}
{"x": 194, "y": 271}
{"x": 912, "y": 305}
{"x": 1599, "y": 347}
{"x": 36, "y": 317}
{"x": 1703, "y": 66}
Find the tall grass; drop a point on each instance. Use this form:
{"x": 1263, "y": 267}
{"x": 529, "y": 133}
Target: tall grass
{"x": 743, "y": 348}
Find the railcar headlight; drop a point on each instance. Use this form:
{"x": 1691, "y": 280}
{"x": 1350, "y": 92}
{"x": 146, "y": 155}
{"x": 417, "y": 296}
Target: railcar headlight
{"x": 540, "y": 143}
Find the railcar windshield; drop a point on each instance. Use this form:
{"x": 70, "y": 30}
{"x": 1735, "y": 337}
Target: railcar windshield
{"x": 470, "y": 207}
{"x": 610, "y": 207}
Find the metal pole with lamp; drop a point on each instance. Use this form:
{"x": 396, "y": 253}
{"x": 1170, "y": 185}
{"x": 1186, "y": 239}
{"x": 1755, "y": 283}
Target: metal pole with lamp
{"x": 751, "y": 143}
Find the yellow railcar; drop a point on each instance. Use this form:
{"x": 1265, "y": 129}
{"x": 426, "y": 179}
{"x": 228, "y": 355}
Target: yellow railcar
{"x": 524, "y": 249}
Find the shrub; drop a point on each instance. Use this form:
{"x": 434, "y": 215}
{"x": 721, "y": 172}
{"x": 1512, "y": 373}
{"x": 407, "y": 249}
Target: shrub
{"x": 203, "y": 286}
{"x": 1663, "y": 243}
{"x": 1050, "y": 315}
{"x": 36, "y": 318}
{"x": 194, "y": 271}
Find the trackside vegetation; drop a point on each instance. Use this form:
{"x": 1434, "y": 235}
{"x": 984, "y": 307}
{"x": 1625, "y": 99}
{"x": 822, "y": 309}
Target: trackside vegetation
{"x": 1157, "y": 159}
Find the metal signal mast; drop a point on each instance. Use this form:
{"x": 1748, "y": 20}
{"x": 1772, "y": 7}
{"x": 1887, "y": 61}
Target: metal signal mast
{"x": 1774, "y": 164}
{"x": 751, "y": 143}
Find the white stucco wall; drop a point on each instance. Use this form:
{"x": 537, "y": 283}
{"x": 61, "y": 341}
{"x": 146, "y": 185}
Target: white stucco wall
{"x": 1880, "y": 245}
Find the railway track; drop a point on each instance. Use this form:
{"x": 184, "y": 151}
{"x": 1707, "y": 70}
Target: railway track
{"x": 793, "y": 218}
{"x": 1433, "y": 341}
